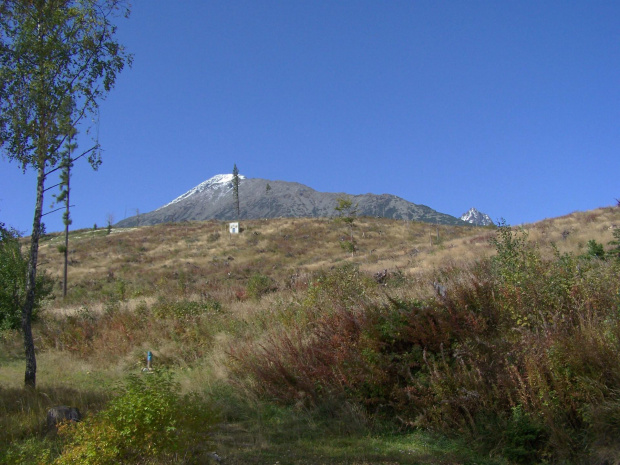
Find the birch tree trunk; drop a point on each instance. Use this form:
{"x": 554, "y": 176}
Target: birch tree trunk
{"x": 31, "y": 362}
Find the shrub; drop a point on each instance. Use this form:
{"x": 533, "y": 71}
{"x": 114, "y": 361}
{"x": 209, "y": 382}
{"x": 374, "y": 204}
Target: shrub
{"x": 513, "y": 354}
{"x": 308, "y": 364}
{"x": 348, "y": 246}
{"x": 344, "y": 286}
{"x": 13, "y": 279}
{"x": 525, "y": 344}
{"x": 32, "y": 450}
{"x": 319, "y": 354}
{"x": 514, "y": 256}
{"x": 595, "y": 250}
{"x": 603, "y": 420}
{"x": 184, "y": 309}
{"x": 524, "y": 438}
{"x": 614, "y": 252}
{"x": 259, "y": 285}
{"x": 148, "y": 419}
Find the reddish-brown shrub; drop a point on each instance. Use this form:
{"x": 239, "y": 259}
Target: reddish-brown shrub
{"x": 305, "y": 364}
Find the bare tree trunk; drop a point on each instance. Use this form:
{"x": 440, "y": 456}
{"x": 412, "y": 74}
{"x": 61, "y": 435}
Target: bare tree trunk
{"x": 64, "y": 280}
{"x": 31, "y": 362}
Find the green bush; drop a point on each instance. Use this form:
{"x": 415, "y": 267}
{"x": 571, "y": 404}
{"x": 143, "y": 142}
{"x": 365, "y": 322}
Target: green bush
{"x": 259, "y": 285}
{"x": 149, "y": 419}
{"x": 184, "y": 309}
{"x": 595, "y": 250}
{"x": 524, "y": 438}
{"x": 344, "y": 286}
{"x": 514, "y": 257}
{"x": 32, "y": 450}
{"x": 614, "y": 252}
{"x": 522, "y": 343}
{"x": 13, "y": 278}
{"x": 348, "y": 246}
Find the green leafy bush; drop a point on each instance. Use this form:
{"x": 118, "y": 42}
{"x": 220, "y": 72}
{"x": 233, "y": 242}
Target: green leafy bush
{"x": 32, "y": 450}
{"x": 615, "y": 250}
{"x": 524, "y": 437}
{"x": 184, "y": 309}
{"x": 259, "y": 285}
{"x": 13, "y": 276}
{"x": 348, "y": 246}
{"x": 344, "y": 286}
{"x": 595, "y": 250}
{"x": 148, "y": 419}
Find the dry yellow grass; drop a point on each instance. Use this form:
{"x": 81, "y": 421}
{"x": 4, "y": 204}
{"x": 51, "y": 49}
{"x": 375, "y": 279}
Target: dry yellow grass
{"x": 201, "y": 257}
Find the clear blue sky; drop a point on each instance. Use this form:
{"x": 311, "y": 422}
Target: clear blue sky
{"x": 509, "y": 106}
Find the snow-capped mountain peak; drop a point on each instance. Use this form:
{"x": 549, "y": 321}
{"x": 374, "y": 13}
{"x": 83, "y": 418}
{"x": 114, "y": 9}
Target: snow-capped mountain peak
{"x": 477, "y": 218}
{"x": 220, "y": 183}
{"x": 216, "y": 182}
{"x": 214, "y": 199}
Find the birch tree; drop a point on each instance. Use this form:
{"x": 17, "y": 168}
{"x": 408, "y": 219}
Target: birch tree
{"x": 58, "y": 60}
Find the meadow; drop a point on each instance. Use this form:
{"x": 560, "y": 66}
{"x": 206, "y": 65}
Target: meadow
{"x": 289, "y": 343}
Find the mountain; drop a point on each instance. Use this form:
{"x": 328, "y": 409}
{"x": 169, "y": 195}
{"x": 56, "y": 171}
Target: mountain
{"x": 260, "y": 198}
{"x": 476, "y": 218}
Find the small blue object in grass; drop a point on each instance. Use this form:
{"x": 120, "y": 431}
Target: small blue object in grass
{"x": 149, "y": 358}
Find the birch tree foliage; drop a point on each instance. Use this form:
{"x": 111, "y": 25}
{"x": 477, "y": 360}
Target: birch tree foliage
{"x": 58, "y": 60}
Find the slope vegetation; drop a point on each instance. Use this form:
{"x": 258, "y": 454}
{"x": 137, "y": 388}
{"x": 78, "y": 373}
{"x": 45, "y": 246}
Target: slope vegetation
{"x": 306, "y": 341}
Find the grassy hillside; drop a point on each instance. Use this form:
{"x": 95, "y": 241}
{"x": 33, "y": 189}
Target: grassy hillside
{"x": 292, "y": 343}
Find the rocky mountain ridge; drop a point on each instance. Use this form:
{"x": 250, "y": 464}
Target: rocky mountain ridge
{"x": 477, "y": 218}
{"x": 262, "y": 198}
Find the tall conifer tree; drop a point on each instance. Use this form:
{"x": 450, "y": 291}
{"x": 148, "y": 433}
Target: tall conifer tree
{"x": 236, "y": 189}
{"x": 64, "y": 196}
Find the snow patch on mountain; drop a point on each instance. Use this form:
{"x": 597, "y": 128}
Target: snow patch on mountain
{"x": 477, "y": 218}
{"x": 215, "y": 187}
